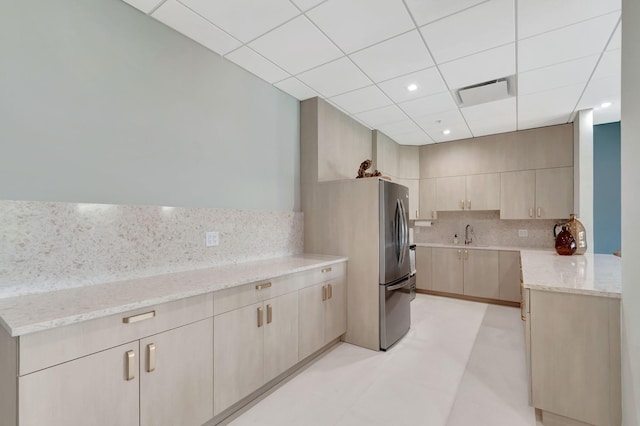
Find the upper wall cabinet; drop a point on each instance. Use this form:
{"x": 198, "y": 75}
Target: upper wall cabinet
{"x": 393, "y": 160}
{"x": 542, "y": 148}
{"x": 477, "y": 192}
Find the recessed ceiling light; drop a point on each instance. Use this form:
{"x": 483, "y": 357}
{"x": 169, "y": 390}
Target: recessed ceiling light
{"x": 412, "y": 87}
{"x": 446, "y": 132}
{"x": 605, "y": 104}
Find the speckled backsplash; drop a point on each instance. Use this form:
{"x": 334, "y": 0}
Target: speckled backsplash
{"x": 46, "y": 246}
{"x": 489, "y": 230}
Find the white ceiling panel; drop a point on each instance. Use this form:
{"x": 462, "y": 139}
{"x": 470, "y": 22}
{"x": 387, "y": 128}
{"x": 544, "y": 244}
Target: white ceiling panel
{"x": 334, "y": 78}
{"x": 425, "y": 11}
{"x": 296, "y": 46}
{"x": 296, "y": 88}
{"x": 428, "y": 81}
{"x": 482, "y": 27}
{"x": 244, "y": 19}
{"x": 610, "y": 65}
{"x": 400, "y": 55}
{"x": 459, "y": 131}
{"x": 399, "y": 127}
{"x": 488, "y": 65}
{"x": 600, "y": 91}
{"x": 558, "y": 75}
{"x": 616, "y": 39}
{"x": 144, "y": 5}
{"x": 192, "y": 25}
{"x": 493, "y": 117}
{"x": 429, "y": 105}
{"x": 607, "y": 115}
{"x": 572, "y": 42}
{"x": 441, "y": 121}
{"x": 539, "y": 16}
{"x": 253, "y": 62}
{"x": 376, "y": 117}
{"x": 354, "y": 24}
{"x": 360, "y": 100}
{"x": 547, "y": 108}
{"x": 413, "y": 138}
{"x": 306, "y": 4}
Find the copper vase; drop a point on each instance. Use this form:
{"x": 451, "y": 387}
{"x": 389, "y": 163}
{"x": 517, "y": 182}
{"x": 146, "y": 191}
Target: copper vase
{"x": 565, "y": 243}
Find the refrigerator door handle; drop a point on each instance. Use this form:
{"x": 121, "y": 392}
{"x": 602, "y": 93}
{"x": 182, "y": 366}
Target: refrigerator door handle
{"x": 398, "y": 286}
{"x": 405, "y": 231}
{"x": 399, "y": 230}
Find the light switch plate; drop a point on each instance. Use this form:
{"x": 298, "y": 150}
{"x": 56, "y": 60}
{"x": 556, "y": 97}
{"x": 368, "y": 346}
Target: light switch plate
{"x": 212, "y": 239}
{"x": 523, "y": 233}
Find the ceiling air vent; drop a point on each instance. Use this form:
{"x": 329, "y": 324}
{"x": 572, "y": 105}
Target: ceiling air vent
{"x": 488, "y": 91}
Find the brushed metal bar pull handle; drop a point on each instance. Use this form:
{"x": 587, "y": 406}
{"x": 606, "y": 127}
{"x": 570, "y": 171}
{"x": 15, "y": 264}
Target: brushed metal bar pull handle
{"x": 269, "y": 314}
{"x": 530, "y": 211}
{"x": 260, "y": 317}
{"x": 417, "y": 211}
{"x": 468, "y": 204}
{"x": 459, "y": 253}
{"x": 151, "y": 357}
{"x": 327, "y": 270}
{"x": 330, "y": 291}
{"x": 466, "y": 255}
{"x": 324, "y": 293}
{"x": 263, "y": 286}
{"x": 131, "y": 365}
{"x": 139, "y": 317}
{"x": 539, "y": 212}
{"x": 462, "y": 204}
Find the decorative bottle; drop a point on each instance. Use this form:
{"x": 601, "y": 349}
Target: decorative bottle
{"x": 565, "y": 243}
{"x": 579, "y": 234}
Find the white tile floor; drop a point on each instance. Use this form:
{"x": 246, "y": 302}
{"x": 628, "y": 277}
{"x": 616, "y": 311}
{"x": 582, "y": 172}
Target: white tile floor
{"x": 462, "y": 363}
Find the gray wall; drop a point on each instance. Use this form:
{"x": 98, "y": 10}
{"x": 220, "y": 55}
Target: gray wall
{"x": 630, "y": 176}
{"x": 100, "y": 103}
{"x": 606, "y": 187}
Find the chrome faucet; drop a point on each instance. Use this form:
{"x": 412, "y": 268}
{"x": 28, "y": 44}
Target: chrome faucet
{"x": 468, "y": 232}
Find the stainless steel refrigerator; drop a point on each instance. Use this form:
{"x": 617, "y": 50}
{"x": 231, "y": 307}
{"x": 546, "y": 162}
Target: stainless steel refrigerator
{"x": 395, "y": 297}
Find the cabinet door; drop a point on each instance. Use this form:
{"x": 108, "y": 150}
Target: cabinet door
{"x": 517, "y": 194}
{"x": 176, "y": 376}
{"x": 481, "y": 273}
{"x": 450, "y": 193}
{"x": 447, "y": 270}
{"x": 414, "y": 197}
{"x": 335, "y": 309}
{"x": 423, "y": 268}
{"x": 554, "y": 193}
{"x": 427, "y": 207}
{"x": 238, "y": 355}
{"x": 280, "y": 334}
{"x": 510, "y": 276}
{"x": 311, "y": 320}
{"x": 483, "y": 192}
{"x": 92, "y": 390}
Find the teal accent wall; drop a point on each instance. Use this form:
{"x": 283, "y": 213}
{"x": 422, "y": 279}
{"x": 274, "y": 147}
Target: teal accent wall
{"x": 606, "y": 187}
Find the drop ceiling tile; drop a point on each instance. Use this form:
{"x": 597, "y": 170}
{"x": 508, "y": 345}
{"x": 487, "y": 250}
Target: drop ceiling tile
{"x": 296, "y": 88}
{"x": 610, "y": 65}
{"x": 306, "y": 4}
{"x": 425, "y": 11}
{"x": 244, "y": 19}
{"x": 491, "y": 118}
{"x": 488, "y": 65}
{"x": 607, "y": 115}
{"x": 441, "y": 121}
{"x": 548, "y": 108}
{"x": 256, "y": 64}
{"x": 428, "y": 81}
{"x": 192, "y": 25}
{"x": 600, "y": 91}
{"x": 413, "y": 138}
{"x": 334, "y": 78}
{"x": 354, "y": 24}
{"x": 377, "y": 117}
{"x": 557, "y": 75}
{"x": 457, "y": 132}
{"x": 572, "y": 42}
{"x": 616, "y": 39}
{"x": 429, "y": 105}
{"x": 539, "y": 16}
{"x": 399, "y": 128}
{"x": 400, "y": 55}
{"x": 360, "y": 100}
{"x": 144, "y": 5}
{"x": 296, "y": 46}
{"x": 483, "y": 27}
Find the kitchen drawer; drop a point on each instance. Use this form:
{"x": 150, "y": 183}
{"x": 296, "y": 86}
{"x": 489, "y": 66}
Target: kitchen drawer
{"x": 324, "y": 274}
{"x": 50, "y": 347}
{"x": 238, "y": 297}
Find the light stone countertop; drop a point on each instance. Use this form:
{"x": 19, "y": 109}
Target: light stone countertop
{"x": 31, "y": 313}
{"x": 479, "y": 247}
{"x": 590, "y": 274}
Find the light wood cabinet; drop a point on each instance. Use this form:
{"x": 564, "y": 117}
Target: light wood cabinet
{"x": 427, "y": 208}
{"x": 510, "y": 276}
{"x": 423, "y": 268}
{"x": 335, "y": 310}
{"x": 540, "y": 194}
{"x": 450, "y": 193}
{"x": 447, "y": 276}
{"x": 280, "y": 335}
{"x": 575, "y": 357}
{"x": 477, "y": 192}
{"x": 481, "y": 273}
{"x": 85, "y": 391}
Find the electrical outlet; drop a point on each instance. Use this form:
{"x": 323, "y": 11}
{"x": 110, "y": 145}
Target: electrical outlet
{"x": 523, "y": 233}
{"x": 212, "y": 239}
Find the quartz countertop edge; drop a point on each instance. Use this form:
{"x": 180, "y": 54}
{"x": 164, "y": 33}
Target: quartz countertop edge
{"x": 31, "y": 313}
{"x": 480, "y": 247}
{"x": 587, "y": 274}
